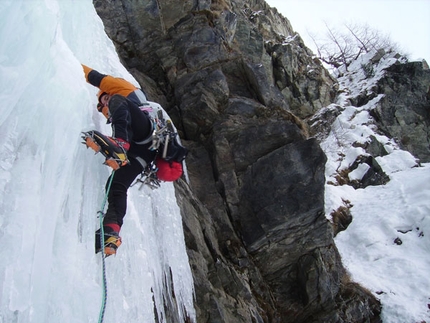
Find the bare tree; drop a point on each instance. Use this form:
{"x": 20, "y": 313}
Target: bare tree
{"x": 341, "y": 47}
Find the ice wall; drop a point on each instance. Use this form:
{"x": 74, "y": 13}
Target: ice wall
{"x": 52, "y": 187}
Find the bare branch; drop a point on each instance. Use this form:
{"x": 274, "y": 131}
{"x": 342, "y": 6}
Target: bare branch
{"x": 340, "y": 48}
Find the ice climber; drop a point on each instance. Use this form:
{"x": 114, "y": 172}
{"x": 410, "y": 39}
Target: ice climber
{"x": 127, "y": 151}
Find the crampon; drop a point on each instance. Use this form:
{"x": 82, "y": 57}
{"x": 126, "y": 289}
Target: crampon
{"x": 116, "y": 156}
{"x": 111, "y": 245}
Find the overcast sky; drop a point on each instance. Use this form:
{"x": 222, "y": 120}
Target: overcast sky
{"x": 407, "y": 22}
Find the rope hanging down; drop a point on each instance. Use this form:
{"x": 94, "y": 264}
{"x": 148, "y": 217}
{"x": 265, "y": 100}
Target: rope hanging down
{"x": 102, "y": 242}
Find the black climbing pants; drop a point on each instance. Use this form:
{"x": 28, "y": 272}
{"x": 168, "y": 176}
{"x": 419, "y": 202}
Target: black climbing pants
{"x": 117, "y": 198}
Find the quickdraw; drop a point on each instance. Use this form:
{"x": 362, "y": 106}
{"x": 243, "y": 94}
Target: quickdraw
{"x": 148, "y": 177}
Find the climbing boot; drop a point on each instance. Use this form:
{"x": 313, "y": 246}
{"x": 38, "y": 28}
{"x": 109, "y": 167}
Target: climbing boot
{"x": 112, "y": 149}
{"x": 112, "y": 241}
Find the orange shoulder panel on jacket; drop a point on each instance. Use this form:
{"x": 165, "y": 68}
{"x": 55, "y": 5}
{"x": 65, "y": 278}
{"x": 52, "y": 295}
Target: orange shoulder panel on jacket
{"x": 115, "y": 85}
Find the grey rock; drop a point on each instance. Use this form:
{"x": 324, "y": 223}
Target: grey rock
{"x": 404, "y": 112}
{"x": 240, "y": 85}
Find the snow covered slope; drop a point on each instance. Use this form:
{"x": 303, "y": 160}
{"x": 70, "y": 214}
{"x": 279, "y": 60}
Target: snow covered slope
{"x": 386, "y": 248}
{"x": 52, "y": 186}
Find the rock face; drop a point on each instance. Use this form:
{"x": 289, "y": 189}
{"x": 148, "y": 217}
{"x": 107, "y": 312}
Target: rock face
{"x": 239, "y": 84}
{"x": 404, "y": 112}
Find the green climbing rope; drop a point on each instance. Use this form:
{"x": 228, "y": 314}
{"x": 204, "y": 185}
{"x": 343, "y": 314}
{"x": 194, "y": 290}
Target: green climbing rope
{"x": 102, "y": 242}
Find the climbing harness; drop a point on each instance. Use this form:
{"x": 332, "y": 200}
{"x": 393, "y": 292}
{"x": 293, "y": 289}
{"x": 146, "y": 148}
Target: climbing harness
{"x": 161, "y": 129}
{"x": 102, "y": 242}
{"x": 163, "y": 140}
